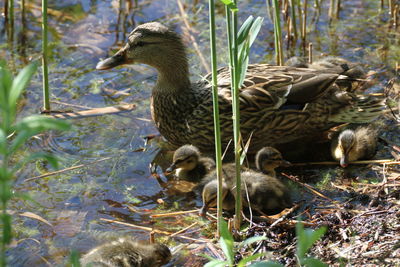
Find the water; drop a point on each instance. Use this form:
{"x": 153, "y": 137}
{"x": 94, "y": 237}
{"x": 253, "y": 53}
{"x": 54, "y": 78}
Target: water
{"x": 83, "y": 32}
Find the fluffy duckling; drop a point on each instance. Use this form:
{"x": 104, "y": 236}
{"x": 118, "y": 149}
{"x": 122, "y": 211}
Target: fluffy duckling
{"x": 354, "y": 144}
{"x": 268, "y": 159}
{"x": 127, "y": 252}
{"x": 267, "y": 195}
{"x": 189, "y": 164}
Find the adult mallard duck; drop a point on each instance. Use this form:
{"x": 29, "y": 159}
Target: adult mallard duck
{"x": 354, "y": 144}
{"x": 266, "y": 194}
{"x": 189, "y": 164}
{"x": 278, "y": 104}
{"x": 127, "y": 252}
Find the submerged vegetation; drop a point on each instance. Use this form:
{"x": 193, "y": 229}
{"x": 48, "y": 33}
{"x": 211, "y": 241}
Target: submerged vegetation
{"x": 106, "y": 185}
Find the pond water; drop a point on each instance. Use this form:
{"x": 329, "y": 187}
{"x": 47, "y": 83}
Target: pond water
{"x": 121, "y": 187}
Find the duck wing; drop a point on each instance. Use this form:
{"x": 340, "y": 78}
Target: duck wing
{"x": 273, "y": 86}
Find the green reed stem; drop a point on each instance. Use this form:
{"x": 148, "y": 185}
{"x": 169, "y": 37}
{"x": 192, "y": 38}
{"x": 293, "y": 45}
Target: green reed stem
{"x": 217, "y": 128}
{"x": 304, "y": 23}
{"x": 293, "y": 18}
{"x": 11, "y": 20}
{"x": 231, "y": 25}
{"x": 46, "y": 93}
{"x": 278, "y": 35}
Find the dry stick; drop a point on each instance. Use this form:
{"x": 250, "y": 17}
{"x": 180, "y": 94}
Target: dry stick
{"x": 171, "y": 214}
{"x": 192, "y": 39}
{"x": 310, "y": 54}
{"x": 151, "y": 237}
{"x": 70, "y": 105}
{"x": 66, "y": 169}
{"x": 337, "y": 9}
{"x": 303, "y": 26}
{"x": 309, "y": 187}
{"x": 184, "y": 229}
{"x": 391, "y": 8}
{"x": 93, "y": 112}
{"x": 377, "y": 161}
{"x": 149, "y": 229}
{"x": 396, "y": 11}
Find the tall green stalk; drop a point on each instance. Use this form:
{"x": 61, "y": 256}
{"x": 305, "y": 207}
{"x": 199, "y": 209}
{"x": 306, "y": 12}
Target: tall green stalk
{"x": 293, "y": 18}
{"x": 217, "y": 128}
{"x": 46, "y": 93}
{"x": 10, "y": 20}
{"x": 231, "y": 22}
{"x": 278, "y": 35}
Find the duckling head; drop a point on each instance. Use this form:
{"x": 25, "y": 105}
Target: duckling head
{"x": 161, "y": 253}
{"x": 185, "y": 158}
{"x": 209, "y": 195}
{"x": 268, "y": 159}
{"x": 346, "y": 142}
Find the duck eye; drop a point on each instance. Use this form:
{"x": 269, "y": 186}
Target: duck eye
{"x": 140, "y": 44}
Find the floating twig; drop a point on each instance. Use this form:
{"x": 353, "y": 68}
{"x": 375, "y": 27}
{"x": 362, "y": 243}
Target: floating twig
{"x": 93, "y": 112}
{"x": 171, "y": 214}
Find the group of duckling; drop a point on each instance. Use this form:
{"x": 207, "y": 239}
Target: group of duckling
{"x": 266, "y": 194}
{"x": 261, "y": 190}
{"x": 278, "y": 105}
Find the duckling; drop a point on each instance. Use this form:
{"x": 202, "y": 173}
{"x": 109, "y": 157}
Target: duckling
{"x": 209, "y": 195}
{"x": 127, "y": 252}
{"x": 266, "y": 193}
{"x": 189, "y": 164}
{"x": 354, "y": 144}
{"x": 268, "y": 159}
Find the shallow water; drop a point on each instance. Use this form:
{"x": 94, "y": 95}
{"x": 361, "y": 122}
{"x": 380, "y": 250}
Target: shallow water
{"x": 83, "y": 32}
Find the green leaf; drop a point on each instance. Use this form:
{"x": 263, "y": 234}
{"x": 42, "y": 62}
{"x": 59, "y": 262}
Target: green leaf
{"x": 251, "y": 240}
{"x": 7, "y": 233}
{"x": 226, "y": 242}
{"x": 33, "y": 125}
{"x": 266, "y": 264}
{"x": 231, "y": 5}
{"x": 5, "y": 87}
{"x": 74, "y": 258}
{"x": 246, "y": 36}
{"x": 3, "y": 142}
{"x": 53, "y": 161}
{"x": 42, "y": 123}
{"x": 312, "y": 262}
{"x": 247, "y": 259}
{"x": 306, "y": 238}
{"x": 21, "y": 81}
{"x": 216, "y": 263}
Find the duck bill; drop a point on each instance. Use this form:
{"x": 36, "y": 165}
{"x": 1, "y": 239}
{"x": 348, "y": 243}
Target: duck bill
{"x": 344, "y": 161}
{"x": 118, "y": 59}
{"x": 285, "y": 163}
{"x": 203, "y": 211}
{"x": 171, "y": 168}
